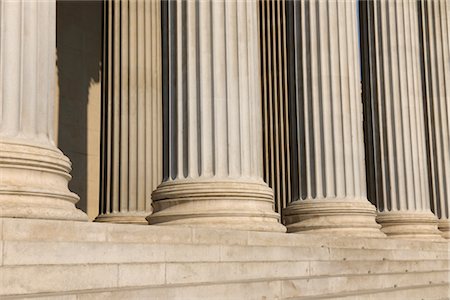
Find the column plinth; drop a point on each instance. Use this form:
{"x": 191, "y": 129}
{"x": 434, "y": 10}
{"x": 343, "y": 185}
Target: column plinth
{"x": 412, "y": 225}
{"x": 327, "y": 149}
{"x": 396, "y": 123}
{"x": 213, "y": 132}
{"x": 234, "y": 204}
{"x": 34, "y": 173}
{"x": 352, "y": 216}
{"x": 33, "y": 182}
{"x": 444, "y": 227}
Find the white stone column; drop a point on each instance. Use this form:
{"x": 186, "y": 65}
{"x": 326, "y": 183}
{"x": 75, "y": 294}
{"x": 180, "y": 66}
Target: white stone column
{"x": 213, "y": 175}
{"x": 132, "y": 110}
{"x": 34, "y": 174}
{"x": 327, "y": 130}
{"x": 402, "y": 191}
{"x": 436, "y": 34}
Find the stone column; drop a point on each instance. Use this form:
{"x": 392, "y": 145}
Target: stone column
{"x": 131, "y": 111}
{"x": 398, "y": 124}
{"x": 327, "y": 151}
{"x": 436, "y": 34}
{"x": 34, "y": 174}
{"x": 213, "y": 134}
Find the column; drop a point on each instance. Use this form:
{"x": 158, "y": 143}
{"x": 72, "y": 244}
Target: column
{"x": 395, "y": 101}
{"x": 132, "y": 110}
{"x": 213, "y": 130}
{"x": 436, "y": 34}
{"x": 34, "y": 174}
{"x": 327, "y": 149}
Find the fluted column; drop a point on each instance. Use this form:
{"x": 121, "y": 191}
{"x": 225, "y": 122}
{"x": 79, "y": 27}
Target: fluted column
{"x": 34, "y": 174}
{"x": 131, "y": 111}
{"x": 397, "y": 127}
{"x": 213, "y": 134}
{"x": 327, "y": 154}
{"x": 436, "y": 34}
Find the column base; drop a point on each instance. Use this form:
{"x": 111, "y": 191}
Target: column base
{"x": 342, "y": 216}
{"x": 34, "y": 183}
{"x": 409, "y": 225}
{"x": 123, "y": 218}
{"x": 444, "y": 227}
{"x": 225, "y": 204}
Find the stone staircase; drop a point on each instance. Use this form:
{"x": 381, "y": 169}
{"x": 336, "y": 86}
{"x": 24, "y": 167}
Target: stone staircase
{"x": 75, "y": 260}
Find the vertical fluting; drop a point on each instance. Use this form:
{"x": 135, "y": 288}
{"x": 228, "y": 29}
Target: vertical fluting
{"x": 27, "y": 80}
{"x": 131, "y": 111}
{"x": 218, "y": 127}
{"x": 34, "y": 173}
{"x": 435, "y": 22}
{"x": 276, "y": 152}
{"x": 397, "y": 128}
{"x": 327, "y": 149}
{"x": 213, "y": 135}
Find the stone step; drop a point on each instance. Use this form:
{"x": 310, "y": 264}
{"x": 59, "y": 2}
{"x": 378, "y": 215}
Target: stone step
{"x": 69, "y": 231}
{"x": 338, "y": 284}
{"x": 59, "y": 258}
{"x": 46, "y": 252}
{"x": 194, "y": 273}
{"x": 421, "y": 292}
{"x": 66, "y": 278}
{"x": 356, "y": 287}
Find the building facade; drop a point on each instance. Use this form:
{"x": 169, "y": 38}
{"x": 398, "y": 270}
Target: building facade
{"x": 276, "y": 149}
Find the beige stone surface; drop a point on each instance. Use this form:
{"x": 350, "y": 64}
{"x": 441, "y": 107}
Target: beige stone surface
{"x": 331, "y": 285}
{"x": 22, "y": 280}
{"x": 36, "y": 261}
{"x": 141, "y": 274}
{"x": 428, "y": 291}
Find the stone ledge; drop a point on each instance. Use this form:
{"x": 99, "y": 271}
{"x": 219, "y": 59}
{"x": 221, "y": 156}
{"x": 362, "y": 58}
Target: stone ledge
{"x": 72, "y": 231}
{"x": 270, "y": 288}
{"x": 428, "y": 291}
{"x": 91, "y": 260}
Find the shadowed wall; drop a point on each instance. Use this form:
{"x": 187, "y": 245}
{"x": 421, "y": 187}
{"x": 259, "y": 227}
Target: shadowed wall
{"x": 79, "y": 45}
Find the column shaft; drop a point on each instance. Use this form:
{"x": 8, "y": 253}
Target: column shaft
{"x": 327, "y": 150}
{"x": 276, "y": 154}
{"x": 34, "y": 173}
{"x": 213, "y": 175}
{"x": 436, "y": 38}
{"x": 398, "y": 124}
{"x": 131, "y": 111}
